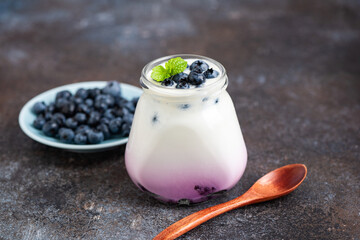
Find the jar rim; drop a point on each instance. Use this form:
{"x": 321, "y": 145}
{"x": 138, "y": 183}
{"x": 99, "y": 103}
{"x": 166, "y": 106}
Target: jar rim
{"x": 146, "y": 83}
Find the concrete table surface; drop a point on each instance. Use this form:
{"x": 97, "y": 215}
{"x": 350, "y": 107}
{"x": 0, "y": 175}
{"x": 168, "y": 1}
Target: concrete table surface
{"x": 294, "y": 71}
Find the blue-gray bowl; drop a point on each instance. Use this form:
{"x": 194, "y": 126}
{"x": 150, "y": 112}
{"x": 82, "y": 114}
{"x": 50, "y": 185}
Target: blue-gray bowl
{"x": 26, "y": 117}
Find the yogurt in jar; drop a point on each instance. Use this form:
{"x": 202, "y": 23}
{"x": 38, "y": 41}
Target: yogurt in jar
{"x": 185, "y": 145}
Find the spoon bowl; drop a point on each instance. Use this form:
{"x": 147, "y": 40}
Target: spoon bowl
{"x": 277, "y": 183}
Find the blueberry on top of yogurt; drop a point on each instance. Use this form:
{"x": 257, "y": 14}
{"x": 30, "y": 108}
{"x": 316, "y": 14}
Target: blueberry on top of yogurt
{"x": 180, "y": 76}
{"x": 211, "y": 73}
{"x": 183, "y": 74}
{"x": 196, "y": 78}
{"x": 199, "y": 66}
{"x": 167, "y": 82}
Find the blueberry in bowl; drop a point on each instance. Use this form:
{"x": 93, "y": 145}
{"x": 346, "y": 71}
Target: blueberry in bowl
{"x": 76, "y": 117}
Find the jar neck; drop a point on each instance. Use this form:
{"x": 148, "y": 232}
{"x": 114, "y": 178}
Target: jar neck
{"x": 213, "y": 88}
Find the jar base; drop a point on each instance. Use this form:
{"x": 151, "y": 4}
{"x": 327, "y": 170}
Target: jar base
{"x": 183, "y": 201}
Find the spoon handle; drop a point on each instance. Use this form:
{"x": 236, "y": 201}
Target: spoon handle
{"x": 186, "y": 224}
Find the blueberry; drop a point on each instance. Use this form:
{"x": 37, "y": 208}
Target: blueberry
{"x": 105, "y": 98}
{"x": 66, "y": 135}
{"x": 130, "y": 106}
{"x": 120, "y": 112}
{"x": 104, "y": 129}
{"x": 71, "y": 99}
{"x": 102, "y": 102}
{"x": 199, "y": 66}
{"x": 203, "y": 190}
{"x": 50, "y": 128}
{"x": 196, "y": 78}
{"x": 39, "y": 122}
{"x": 78, "y": 100}
{"x": 80, "y": 138}
{"x": 182, "y": 85}
{"x": 92, "y": 93}
{"x": 68, "y": 109}
{"x": 81, "y": 93}
{"x": 115, "y": 125}
{"x": 82, "y": 108}
{"x": 120, "y": 102}
{"x": 101, "y": 106}
{"x": 59, "y": 118}
{"x": 109, "y": 114}
{"x": 184, "y": 106}
{"x": 80, "y": 117}
{"x": 211, "y": 73}
{"x": 94, "y": 118}
{"x": 89, "y": 102}
{"x": 155, "y": 118}
{"x": 125, "y": 111}
{"x": 167, "y": 82}
{"x": 82, "y": 129}
{"x": 63, "y": 94}
{"x": 60, "y": 102}
{"x": 109, "y": 100}
{"x": 50, "y": 108}
{"x": 180, "y": 76}
{"x": 125, "y": 129}
{"x": 71, "y": 123}
{"x": 95, "y": 137}
{"x": 128, "y": 118}
{"x": 39, "y": 107}
{"x": 112, "y": 88}
{"x": 105, "y": 121}
{"x": 48, "y": 116}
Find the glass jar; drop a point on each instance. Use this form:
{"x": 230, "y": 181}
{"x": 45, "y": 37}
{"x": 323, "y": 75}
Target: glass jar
{"x": 185, "y": 145}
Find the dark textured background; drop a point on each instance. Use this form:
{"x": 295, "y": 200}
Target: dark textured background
{"x": 294, "y": 70}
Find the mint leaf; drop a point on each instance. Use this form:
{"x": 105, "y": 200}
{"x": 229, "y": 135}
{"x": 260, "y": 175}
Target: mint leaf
{"x": 175, "y": 65}
{"x": 172, "y": 67}
{"x": 159, "y": 73}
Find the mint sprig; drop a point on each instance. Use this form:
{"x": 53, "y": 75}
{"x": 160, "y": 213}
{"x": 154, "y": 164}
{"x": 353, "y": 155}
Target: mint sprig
{"x": 172, "y": 67}
{"x": 159, "y": 73}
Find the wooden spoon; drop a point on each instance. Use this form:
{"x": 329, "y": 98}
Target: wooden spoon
{"x": 275, "y": 184}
